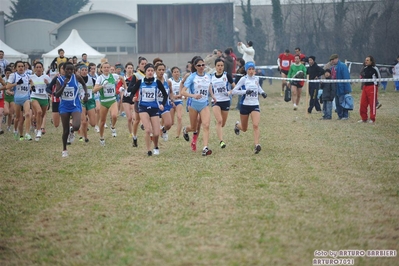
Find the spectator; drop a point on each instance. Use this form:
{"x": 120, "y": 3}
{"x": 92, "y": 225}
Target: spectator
{"x": 340, "y": 71}
{"x": 395, "y": 71}
{"x": 247, "y": 51}
{"x": 84, "y": 60}
{"x": 58, "y": 60}
{"x": 314, "y": 72}
{"x": 228, "y": 62}
{"x": 384, "y": 72}
{"x": 233, "y": 55}
{"x": 327, "y": 96}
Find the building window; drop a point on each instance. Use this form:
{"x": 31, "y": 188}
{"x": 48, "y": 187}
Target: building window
{"x": 111, "y": 49}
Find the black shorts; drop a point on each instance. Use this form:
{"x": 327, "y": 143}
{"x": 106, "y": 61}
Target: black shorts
{"x": 284, "y": 71}
{"x": 151, "y": 111}
{"x": 54, "y": 107}
{"x": 224, "y": 106}
{"x": 247, "y": 109}
{"x": 297, "y": 83}
{"x": 127, "y": 99}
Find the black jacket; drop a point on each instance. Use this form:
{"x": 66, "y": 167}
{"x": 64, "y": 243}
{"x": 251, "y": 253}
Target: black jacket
{"x": 315, "y": 71}
{"x": 329, "y": 91}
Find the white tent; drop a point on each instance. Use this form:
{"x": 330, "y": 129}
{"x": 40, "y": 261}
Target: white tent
{"x": 73, "y": 46}
{"x": 10, "y": 54}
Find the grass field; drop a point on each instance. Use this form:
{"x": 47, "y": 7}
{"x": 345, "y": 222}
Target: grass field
{"x": 316, "y": 185}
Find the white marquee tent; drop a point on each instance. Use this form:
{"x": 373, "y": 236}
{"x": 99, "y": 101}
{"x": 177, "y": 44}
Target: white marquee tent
{"x": 73, "y": 46}
{"x": 10, "y": 54}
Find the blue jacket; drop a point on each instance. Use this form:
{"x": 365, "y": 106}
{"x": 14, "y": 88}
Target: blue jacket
{"x": 342, "y": 73}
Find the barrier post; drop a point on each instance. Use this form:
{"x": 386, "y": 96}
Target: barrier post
{"x": 307, "y": 96}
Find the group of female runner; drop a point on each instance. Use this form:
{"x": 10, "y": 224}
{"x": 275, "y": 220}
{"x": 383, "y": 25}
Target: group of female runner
{"x": 147, "y": 96}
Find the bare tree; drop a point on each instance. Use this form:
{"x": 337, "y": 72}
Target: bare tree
{"x": 386, "y": 40}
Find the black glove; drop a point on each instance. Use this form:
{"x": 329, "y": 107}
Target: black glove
{"x": 264, "y": 95}
{"x": 20, "y": 81}
{"x": 33, "y": 88}
{"x": 248, "y": 92}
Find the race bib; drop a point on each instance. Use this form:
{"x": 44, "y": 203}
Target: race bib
{"x": 285, "y": 63}
{"x": 148, "y": 95}
{"x": 22, "y": 88}
{"x": 109, "y": 90}
{"x": 68, "y": 94}
{"x": 90, "y": 92}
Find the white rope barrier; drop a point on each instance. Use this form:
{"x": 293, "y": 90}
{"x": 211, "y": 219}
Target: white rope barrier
{"x": 329, "y": 80}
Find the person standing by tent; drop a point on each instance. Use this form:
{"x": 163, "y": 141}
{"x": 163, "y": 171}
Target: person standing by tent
{"x": 84, "y": 60}
{"x": 58, "y": 60}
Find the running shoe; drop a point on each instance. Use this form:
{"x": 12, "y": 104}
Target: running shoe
{"x": 97, "y": 129}
{"x": 28, "y": 137}
{"x": 379, "y": 106}
{"x": 185, "y": 134}
{"x": 9, "y": 129}
{"x": 64, "y": 154}
{"x": 135, "y": 142}
{"x": 123, "y": 114}
{"x": 193, "y": 146}
{"x": 1, "y": 132}
{"x": 38, "y": 135}
{"x": 113, "y": 131}
{"x": 16, "y": 137}
{"x": 43, "y": 131}
{"x": 222, "y": 144}
{"x": 81, "y": 139}
{"x": 71, "y": 137}
{"x": 102, "y": 142}
{"x": 295, "y": 107}
{"x": 156, "y": 151}
{"x": 142, "y": 127}
{"x": 149, "y": 153}
{"x": 236, "y": 129}
{"x": 105, "y": 126}
{"x": 165, "y": 136}
{"x": 86, "y": 140}
{"x": 206, "y": 151}
{"x": 21, "y": 138}
{"x": 257, "y": 148}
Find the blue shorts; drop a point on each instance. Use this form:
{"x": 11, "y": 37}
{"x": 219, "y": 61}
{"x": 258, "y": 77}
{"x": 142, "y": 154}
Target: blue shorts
{"x": 21, "y": 101}
{"x": 224, "y": 106}
{"x": 247, "y": 109}
{"x": 64, "y": 110}
{"x": 177, "y": 103}
{"x": 198, "y": 106}
{"x": 166, "y": 109}
{"x": 152, "y": 111}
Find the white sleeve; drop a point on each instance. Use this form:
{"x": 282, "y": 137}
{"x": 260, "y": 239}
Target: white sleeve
{"x": 237, "y": 89}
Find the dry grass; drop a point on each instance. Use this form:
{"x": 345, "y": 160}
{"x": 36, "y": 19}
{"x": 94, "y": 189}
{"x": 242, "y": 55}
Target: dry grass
{"x": 316, "y": 185}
